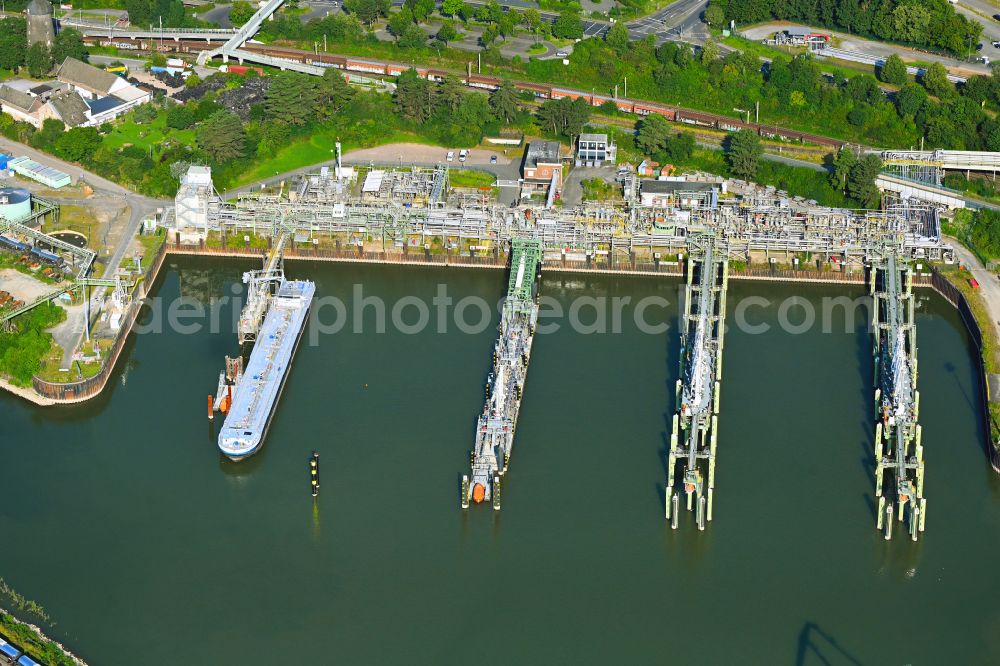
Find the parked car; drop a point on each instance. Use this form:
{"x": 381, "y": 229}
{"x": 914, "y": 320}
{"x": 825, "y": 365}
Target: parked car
{"x": 979, "y": 46}
{"x": 996, "y": 17}
{"x": 996, "y": 44}
{"x": 562, "y": 54}
{"x": 493, "y": 159}
{"x": 462, "y": 155}
{"x": 451, "y": 156}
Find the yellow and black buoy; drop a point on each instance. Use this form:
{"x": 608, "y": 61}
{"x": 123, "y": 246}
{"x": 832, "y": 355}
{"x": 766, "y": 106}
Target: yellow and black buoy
{"x": 314, "y": 473}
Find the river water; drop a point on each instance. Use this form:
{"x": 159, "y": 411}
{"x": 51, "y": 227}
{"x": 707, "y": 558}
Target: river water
{"x": 146, "y": 548}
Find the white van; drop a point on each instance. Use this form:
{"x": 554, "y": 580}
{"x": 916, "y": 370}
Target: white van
{"x": 462, "y": 155}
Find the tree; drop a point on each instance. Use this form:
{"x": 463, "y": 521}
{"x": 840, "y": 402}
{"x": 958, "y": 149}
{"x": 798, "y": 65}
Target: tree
{"x": 192, "y": 81}
{"x": 413, "y": 37}
{"x": 910, "y": 100}
{"x": 841, "y": 167}
{"x": 180, "y": 116}
{"x": 680, "y": 147}
{"x": 292, "y": 98}
{"x": 450, "y": 93}
{"x": 368, "y": 11}
{"x": 715, "y": 15}
{"x": 532, "y": 19}
{"x": 653, "y": 132}
{"x": 78, "y": 144}
{"x": 503, "y": 101}
{"x": 507, "y": 25}
{"x": 452, "y": 7}
{"x": 400, "y": 21}
{"x": 861, "y": 181}
{"x": 38, "y": 60}
{"x": 333, "y": 92}
{"x": 68, "y": 44}
{"x": 935, "y": 79}
{"x": 490, "y": 12}
{"x": 568, "y": 26}
{"x": 241, "y": 12}
{"x": 709, "y": 52}
{"x": 46, "y": 137}
{"x": 743, "y": 151}
{"x": 13, "y": 42}
{"x": 414, "y": 98}
{"x": 617, "y": 37}
{"x": 911, "y": 22}
{"x": 447, "y": 32}
{"x": 222, "y": 137}
{"x": 564, "y": 116}
{"x": 420, "y": 9}
{"x": 893, "y": 70}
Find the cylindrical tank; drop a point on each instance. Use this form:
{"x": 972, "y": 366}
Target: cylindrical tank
{"x": 15, "y": 203}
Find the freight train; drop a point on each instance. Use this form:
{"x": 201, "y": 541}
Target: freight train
{"x": 540, "y": 91}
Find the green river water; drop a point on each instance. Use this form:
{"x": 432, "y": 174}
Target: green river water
{"x": 146, "y": 549}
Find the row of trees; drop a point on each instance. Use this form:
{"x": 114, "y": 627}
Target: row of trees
{"x": 927, "y": 23}
{"x": 38, "y": 59}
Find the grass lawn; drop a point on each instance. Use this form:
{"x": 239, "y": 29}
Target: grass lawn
{"x": 469, "y": 178}
{"x": 77, "y": 218}
{"x": 537, "y": 48}
{"x": 316, "y": 149}
{"x": 150, "y": 244}
{"x": 147, "y": 135}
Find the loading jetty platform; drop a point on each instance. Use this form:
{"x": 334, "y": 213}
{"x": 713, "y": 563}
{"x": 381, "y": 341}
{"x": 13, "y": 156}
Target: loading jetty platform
{"x": 505, "y": 385}
{"x": 249, "y": 397}
{"x": 693, "y": 435}
{"x": 898, "y": 451}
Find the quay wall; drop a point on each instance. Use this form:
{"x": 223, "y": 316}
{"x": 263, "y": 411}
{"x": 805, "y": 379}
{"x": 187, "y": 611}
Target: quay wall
{"x": 953, "y": 295}
{"x": 49, "y": 393}
{"x": 72, "y": 392}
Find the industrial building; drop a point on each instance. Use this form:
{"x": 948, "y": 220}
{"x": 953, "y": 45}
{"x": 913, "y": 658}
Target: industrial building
{"x": 679, "y": 192}
{"x": 542, "y": 168}
{"x": 29, "y": 168}
{"x": 594, "y": 150}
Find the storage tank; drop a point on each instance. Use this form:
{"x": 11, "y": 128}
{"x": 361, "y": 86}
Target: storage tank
{"x": 15, "y": 203}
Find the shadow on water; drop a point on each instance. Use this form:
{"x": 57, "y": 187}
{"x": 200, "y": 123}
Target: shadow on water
{"x": 815, "y": 646}
{"x": 672, "y": 360}
{"x": 866, "y": 363}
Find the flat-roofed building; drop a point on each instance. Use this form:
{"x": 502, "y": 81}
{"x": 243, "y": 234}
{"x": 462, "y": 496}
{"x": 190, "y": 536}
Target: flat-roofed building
{"x": 593, "y": 150}
{"x": 542, "y": 167}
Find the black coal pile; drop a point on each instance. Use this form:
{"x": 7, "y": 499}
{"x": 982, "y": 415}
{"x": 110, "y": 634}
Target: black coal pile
{"x": 197, "y": 92}
{"x": 239, "y": 100}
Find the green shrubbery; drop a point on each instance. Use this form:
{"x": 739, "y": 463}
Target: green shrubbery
{"x": 22, "y": 349}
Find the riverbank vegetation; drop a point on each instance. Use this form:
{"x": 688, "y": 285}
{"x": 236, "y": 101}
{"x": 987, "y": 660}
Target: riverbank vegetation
{"x": 26, "y": 343}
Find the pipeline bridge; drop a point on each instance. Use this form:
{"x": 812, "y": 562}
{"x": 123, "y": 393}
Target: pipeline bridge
{"x": 81, "y": 259}
{"x": 709, "y": 234}
{"x": 746, "y": 226}
{"x": 505, "y": 385}
{"x": 899, "y": 454}
{"x": 260, "y": 285}
{"x": 695, "y": 425}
